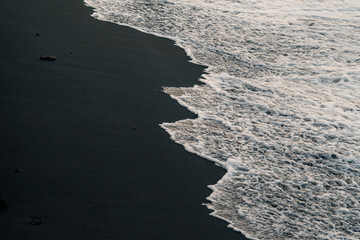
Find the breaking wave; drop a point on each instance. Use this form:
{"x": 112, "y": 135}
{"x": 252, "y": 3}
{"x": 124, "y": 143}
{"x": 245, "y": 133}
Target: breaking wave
{"x": 279, "y": 110}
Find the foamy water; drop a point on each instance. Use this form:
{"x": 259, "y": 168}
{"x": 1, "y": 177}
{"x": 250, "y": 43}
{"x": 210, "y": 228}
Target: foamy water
{"x": 280, "y": 107}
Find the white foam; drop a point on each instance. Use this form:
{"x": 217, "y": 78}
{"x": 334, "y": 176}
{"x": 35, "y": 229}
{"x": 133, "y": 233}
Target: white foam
{"x": 280, "y": 108}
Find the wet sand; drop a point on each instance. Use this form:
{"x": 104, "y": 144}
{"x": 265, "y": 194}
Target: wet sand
{"x": 68, "y": 127}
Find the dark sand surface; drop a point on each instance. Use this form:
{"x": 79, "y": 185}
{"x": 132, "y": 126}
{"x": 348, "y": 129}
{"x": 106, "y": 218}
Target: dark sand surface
{"x": 68, "y": 126}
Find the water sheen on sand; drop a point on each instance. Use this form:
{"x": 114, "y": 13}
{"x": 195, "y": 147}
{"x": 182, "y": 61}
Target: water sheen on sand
{"x": 280, "y": 107}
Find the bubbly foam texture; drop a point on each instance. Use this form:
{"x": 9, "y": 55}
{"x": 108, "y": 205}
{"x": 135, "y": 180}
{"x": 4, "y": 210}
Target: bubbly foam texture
{"x": 280, "y": 107}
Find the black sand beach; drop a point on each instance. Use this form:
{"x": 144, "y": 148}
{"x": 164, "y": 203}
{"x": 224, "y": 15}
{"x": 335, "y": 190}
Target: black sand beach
{"x": 68, "y": 126}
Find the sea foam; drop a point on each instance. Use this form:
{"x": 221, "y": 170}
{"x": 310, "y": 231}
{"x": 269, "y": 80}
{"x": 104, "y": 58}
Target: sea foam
{"x": 279, "y": 110}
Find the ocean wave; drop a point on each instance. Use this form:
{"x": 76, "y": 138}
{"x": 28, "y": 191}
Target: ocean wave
{"x": 279, "y": 110}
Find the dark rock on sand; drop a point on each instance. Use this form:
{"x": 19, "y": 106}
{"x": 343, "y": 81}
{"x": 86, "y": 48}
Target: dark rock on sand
{"x": 17, "y": 170}
{"x": 37, "y": 34}
{"x": 37, "y": 221}
{"x": 48, "y": 58}
{"x": 2, "y": 203}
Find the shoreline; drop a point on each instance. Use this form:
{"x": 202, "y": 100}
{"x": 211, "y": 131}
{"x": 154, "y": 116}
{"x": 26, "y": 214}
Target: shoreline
{"x": 68, "y": 126}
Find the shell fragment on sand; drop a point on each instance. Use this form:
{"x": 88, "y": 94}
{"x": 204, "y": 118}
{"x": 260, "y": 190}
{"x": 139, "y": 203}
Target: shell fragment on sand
{"x": 48, "y": 58}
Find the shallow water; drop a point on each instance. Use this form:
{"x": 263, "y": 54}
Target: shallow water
{"x": 280, "y": 107}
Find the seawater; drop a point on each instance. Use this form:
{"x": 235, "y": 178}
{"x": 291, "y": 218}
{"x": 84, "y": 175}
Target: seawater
{"x": 279, "y": 110}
